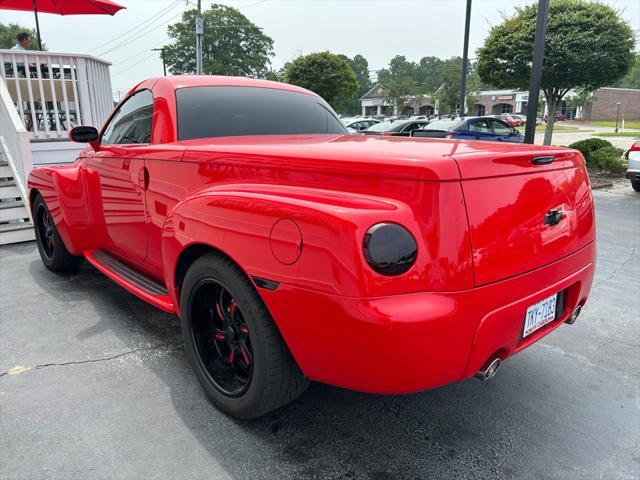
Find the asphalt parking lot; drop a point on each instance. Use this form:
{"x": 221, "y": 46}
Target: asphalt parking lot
{"x": 94, "y": 384}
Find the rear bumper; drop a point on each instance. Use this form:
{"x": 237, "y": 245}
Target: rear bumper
{"x": 413, "y": 342}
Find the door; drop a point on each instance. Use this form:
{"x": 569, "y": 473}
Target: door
{"x": 505, "y": 132}
{"x": 123, "y": 179}
{"x": 479, "y": 129}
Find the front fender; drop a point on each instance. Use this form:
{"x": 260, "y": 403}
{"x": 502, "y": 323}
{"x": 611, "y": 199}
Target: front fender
{"x": 72, "y": 195}
{"x": 306, "y": 237}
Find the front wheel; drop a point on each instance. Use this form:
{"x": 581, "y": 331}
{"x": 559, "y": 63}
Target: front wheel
{"x": 52, "y": 249}
{"x": 237, "y": 352}
{"x": 635, "y": 184}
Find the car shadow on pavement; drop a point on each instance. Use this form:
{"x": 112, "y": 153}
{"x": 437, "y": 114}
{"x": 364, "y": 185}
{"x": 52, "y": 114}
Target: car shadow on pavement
{"x": 527, "y": 423}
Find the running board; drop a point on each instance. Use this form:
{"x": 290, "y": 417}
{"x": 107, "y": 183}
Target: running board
{"x": 136, "y": 282}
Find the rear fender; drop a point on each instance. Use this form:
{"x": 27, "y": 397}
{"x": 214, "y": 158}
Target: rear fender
{"x": 310, "y": 238}
{"x": 72, "y": 194}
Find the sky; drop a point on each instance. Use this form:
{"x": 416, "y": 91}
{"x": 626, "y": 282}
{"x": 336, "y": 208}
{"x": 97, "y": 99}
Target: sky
{"x": 376, "y": 29}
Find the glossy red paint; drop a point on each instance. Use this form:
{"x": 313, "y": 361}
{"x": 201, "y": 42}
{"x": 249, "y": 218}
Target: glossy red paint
{"x": 294, "y": 209}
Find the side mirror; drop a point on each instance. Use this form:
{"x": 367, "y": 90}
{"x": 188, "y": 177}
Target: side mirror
{"x": 82, "y": 134}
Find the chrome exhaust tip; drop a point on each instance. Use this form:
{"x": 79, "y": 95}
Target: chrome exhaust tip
{"x": 489, "y": 372}
{"x": 574, "y": 316}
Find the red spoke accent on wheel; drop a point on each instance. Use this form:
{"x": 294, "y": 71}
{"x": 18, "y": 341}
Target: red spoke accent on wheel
{"x": 220, "y": 311}
{"x": 244, "y": 330}
{"x": 231, "y": 355}
{"x": 233, "y": 307}
{"x": 245, "y": 355}
{"x": 219, "y": 335}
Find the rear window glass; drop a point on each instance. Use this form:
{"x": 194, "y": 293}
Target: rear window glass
{"x": 238, "y": 111}
{"x": 383, "y": 126}
{"x": 444, "y": 124}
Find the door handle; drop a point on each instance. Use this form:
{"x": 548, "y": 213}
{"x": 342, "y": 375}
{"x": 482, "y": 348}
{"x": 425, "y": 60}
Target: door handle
{"x": 542, "y": 160}
{"x": 143, "y": 178}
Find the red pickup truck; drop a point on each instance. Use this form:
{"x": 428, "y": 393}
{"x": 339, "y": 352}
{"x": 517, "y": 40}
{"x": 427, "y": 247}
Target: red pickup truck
{"x": 293, "y": 251}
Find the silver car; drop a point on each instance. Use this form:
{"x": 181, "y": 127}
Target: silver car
{"x": 633, "y": 170}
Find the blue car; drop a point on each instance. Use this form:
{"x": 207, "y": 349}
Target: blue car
{"x": 471, "y": 128}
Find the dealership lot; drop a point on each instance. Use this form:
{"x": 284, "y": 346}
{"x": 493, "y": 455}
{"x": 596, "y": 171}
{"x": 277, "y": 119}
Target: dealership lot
{"x": 94, "y": 384}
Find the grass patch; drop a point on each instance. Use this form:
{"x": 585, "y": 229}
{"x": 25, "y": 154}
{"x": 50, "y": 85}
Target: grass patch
{"x": 556, "y": 128}
{"x": 635, "y": 124}
{"x": 619, "y": 134}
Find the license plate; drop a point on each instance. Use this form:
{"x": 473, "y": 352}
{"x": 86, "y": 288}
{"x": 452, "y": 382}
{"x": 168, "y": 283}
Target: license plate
{"x": 539, "y": 314}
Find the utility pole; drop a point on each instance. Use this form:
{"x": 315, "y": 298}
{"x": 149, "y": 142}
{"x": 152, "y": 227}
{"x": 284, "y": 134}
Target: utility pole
{"x": 536, "y": 70}
{"x": 164, "y": 65}
{"x": 199, "y": 35}
{"x": 465, "y": 59}
{"x": 618, "y": 104}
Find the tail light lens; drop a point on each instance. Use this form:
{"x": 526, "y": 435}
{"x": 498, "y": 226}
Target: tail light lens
{"x": 635, "y": 147}
{"x": 389, "y": 249}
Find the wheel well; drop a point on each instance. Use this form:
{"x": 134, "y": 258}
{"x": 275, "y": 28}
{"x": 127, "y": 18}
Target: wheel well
{"x": 32, "y": 196}
{"x": 190, "y": 255}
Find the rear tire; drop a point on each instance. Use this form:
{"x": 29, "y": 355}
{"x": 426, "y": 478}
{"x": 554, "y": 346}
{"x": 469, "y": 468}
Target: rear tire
{"x": 236, "y": 350}
{"x": 52, "y": 249}
{"x": 635, "y": 184}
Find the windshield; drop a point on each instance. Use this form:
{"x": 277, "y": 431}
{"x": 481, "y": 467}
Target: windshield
{"x": 444, "y": 124}
{"x": 382, "y": 126}
{"x": 224, "y": 111}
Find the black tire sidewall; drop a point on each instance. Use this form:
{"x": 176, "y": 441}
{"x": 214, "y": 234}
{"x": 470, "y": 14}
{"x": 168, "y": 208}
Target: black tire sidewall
{"x": 211, "y": 266}
{"x": 635, "y": 184}
{"x": 61, "y": 258}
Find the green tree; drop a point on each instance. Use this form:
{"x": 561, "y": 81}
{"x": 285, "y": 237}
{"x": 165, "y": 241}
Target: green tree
{"x": 326, "y": 74}
{"x": 400, "y": 82}
{"x": 360, "y": 67}
{"x": 232, "y": 45}
{"x": 581, "y": 97}
{"x": 631, "y": 79}
{"x": 8, "y": 34}
{"x": 588, "y": 46}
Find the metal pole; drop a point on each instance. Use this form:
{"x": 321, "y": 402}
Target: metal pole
{"x": 536, "y": 70}
{"x": 465, "y": 59}
{"x": 164, "y": 65}
{"x": 199, "y": 34}
{"x": 35, "y": 11}
{"x": 618, "y": 115}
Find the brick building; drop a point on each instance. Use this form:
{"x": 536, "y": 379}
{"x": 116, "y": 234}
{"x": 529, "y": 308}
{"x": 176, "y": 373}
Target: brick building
{"x": 494, "y": 102}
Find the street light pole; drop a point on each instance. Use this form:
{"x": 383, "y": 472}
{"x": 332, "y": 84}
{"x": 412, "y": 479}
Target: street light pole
{"x": 536, "y": 70}
{"x": 164, "y": 65}
{"x": 199, "y": 35}
{"x": 465, "y": 59}
{"x": 618, "y": 104}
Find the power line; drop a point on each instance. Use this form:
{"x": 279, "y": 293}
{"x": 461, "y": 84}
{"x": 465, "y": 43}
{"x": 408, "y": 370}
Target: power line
{"x": 150, "y": 19}
{"x": 140, "y": 34}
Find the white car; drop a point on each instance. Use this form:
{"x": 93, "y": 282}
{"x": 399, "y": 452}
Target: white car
{"x": 359, "y": 124}
{"x": 633, "y": 169}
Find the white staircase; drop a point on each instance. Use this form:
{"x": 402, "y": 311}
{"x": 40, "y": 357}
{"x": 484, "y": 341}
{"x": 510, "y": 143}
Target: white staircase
{"x": 15, "y": 163}
{"x": 15, "y": 223}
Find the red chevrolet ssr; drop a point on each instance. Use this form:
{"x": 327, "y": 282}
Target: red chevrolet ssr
{"x": 293, "y": 251}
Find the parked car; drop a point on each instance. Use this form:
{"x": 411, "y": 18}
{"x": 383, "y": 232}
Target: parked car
{"x": 359, "y": 124}
{"x": 633, "y": 168}
{"x": 397, "y": 128}
{"x": 560, "y": 117}
{"x": 294, "y": 252}
{"x": 510, "y": 119}
{"x": 471, "y": 128}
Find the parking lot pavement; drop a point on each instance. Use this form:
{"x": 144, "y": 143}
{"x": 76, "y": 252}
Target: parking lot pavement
{"x": 564, "y": 139}
{"x": 98, "y": 387}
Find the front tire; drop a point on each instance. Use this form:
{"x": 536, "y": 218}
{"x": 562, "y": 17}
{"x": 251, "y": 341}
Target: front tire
{"x": 52, "y": 249}
{"x": 236, "y": 350}
{"x": 635, "y": 184}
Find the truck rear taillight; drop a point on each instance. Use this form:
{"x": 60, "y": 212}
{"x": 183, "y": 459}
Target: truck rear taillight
{"x": 635, "y": 147}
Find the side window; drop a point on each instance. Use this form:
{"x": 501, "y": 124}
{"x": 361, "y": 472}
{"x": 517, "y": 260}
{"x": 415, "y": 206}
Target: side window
{"x": 132, "y": 122}
{"x": 411, "y": 127}
{"x": 480, "y": 126}
{"x": 501, "y": 128}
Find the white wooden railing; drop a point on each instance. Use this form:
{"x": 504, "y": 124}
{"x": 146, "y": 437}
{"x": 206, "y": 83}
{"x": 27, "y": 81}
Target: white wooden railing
{"x": 53, "y": 92}
{"x": 14, "y": 142}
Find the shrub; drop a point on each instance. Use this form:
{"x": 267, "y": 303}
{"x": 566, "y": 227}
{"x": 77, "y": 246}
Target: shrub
{"x": 608, "y": 158}
{"x": 590, "y": 145}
